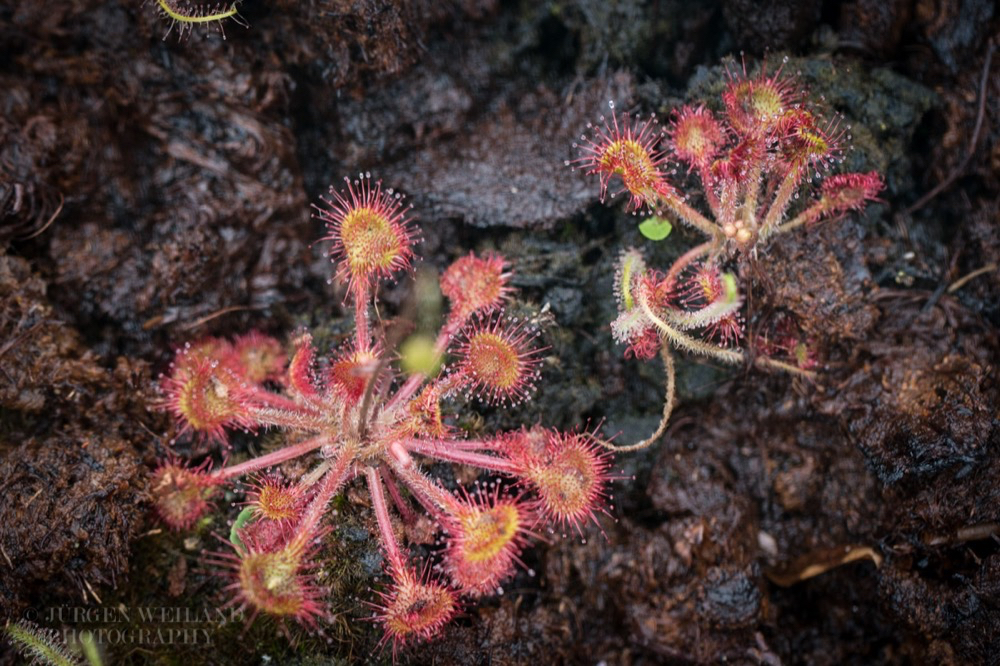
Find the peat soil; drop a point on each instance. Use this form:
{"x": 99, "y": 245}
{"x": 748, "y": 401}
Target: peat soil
{"x": 153, "y": 191}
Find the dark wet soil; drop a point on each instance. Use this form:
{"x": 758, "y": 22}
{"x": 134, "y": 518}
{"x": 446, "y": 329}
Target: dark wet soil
{"x": 152, "y": 192}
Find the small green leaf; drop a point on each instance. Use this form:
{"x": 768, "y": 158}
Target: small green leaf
{"x": 655, "y": 228}
{"x": 234, "y": 532}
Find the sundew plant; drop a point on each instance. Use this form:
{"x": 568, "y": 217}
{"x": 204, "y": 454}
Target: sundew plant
{"x": 357, "y": 415}
{"x": 764, "y": 152}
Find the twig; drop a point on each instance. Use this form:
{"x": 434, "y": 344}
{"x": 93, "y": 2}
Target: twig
{"x": 957, "y": 171}
{"x": 769, "y": 363}
{"x": 7, "y": 346}
{"x": 62, "y": 200}
{"x": 961, "y": 282}
{"x": 976, "y": 532}
{"x": 87, "y": 583}
{"x": 820, "y": 561}
{"x": 218, "y": 313}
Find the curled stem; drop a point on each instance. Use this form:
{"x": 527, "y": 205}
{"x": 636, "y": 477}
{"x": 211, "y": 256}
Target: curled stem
{"x": 668, "y": 408}
{"x": 686, "y": 342}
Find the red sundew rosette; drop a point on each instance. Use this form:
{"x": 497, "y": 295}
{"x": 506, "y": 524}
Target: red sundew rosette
{"x": 475, "y": 285}
{"x": 415, "y": 608}
{"x": 206, "y": 397}
{"x": 695, "y": 136}
{"x": 755, "y": 106}
{"x": 497, "y": 362}
{"x": 371, "y": 233}
{"x": 569, "y": 473}
{"x": 350, "y": 372}
{"x": 628, "y": 149}
{"x": 485, "y": 540}
{"x": 181, "y": 494}
{"x": 845, "y": 192}
{"x": 257, "y": 358}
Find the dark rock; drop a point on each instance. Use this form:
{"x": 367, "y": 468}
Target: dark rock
{"x": 774, "y": 24}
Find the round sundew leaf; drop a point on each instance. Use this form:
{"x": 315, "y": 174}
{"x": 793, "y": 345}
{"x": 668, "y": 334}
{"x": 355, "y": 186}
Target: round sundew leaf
{"x": 655, "y": 228}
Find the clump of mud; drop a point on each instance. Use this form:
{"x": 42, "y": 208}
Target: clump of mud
{"x": 70, "y": 468}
